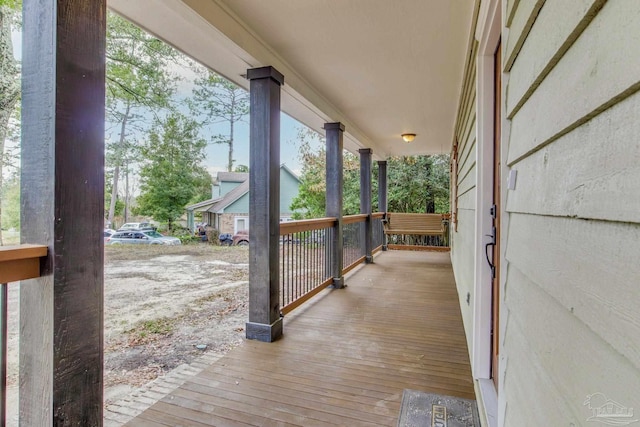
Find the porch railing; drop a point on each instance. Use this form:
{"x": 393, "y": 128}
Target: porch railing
{"x": 305, "y": 260}
{"x": 306, "y": 255}
{"x": 353, "y": 252}
{"x": 18, "y": 262}
{"x": 378, "y": 230}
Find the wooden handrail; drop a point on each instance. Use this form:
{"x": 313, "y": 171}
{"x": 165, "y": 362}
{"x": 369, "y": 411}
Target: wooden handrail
{"x": 298, "y": 302}
{"x": 306, "y": 225}
{"x": 377, "y": 215}
{"x": 20, "y": 262}
{"x": 350, "y": 219}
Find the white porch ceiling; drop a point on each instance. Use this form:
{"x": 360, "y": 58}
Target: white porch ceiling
{"x": 381, "y": 67}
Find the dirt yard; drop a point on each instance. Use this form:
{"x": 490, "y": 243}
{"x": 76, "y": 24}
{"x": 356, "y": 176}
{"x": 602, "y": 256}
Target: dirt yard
{"x": 163, "y": 305}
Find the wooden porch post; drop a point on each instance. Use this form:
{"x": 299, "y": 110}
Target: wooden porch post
{"x": 265, "y": 323}
{"x": 61, "y": 313}
{"x": 382, "y": 194}
{"x": 365, "y": 200}
{"x": 335, "y": 181}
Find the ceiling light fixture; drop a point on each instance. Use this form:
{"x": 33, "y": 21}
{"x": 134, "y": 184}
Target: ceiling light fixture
{"x": 408, "y": 137}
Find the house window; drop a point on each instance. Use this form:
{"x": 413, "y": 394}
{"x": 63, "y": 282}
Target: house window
{"x": 241, "y": 223}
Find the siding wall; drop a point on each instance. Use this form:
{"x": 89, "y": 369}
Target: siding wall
{"x": 463, "y": 230}
{"x": 226, "y": 186}
{"x": 288, "y": 191}
{"x": 571, "y": 308}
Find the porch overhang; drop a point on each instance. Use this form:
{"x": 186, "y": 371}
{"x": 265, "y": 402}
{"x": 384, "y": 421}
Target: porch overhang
{"x": 381, "y": 68}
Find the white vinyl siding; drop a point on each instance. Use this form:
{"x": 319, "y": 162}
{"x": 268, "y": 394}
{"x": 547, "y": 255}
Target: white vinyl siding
{"x": 571, "y": 323}
{"x": 462, "y": 240}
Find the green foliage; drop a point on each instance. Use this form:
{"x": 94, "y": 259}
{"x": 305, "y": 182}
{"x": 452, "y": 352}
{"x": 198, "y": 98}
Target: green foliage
{"x": 418, "y": 184}
{"x": 173, "y": 170}
{"x": 202, "y": 185}
{"x": 10, "y": 199}
{"x": 217, "y": 100}
{"x": 14, "y": 5}
{"x": 136, "y": 68}
{"x": 415, "y": 183}
{"x": 119, "y": 205}
{"x": 242, "y": 169}
{"x": 310, "y": 201}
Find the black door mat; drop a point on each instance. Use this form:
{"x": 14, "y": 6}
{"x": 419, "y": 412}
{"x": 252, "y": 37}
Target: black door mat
{"x": 420, "y": 409}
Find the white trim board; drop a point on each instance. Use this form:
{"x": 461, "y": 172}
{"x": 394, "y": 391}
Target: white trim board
{"x": 488, "y": 34}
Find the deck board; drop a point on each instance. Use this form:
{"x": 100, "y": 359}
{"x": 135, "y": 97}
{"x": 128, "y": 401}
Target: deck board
{"x": 345, "y": 358}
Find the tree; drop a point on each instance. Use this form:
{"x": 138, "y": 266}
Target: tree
{"x": 220, "y": 101}
{"x": 418, "y": 184}
{"x": 9, "y": 80}
{"x": 173, "y": 170}
{"x": 138, "y": 87}
{"x": 310, "y": 201}
{"x": 415, "y": 183}
{"x": 202, "y": 185}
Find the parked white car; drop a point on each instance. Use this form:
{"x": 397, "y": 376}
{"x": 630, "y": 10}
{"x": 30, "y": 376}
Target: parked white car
{"x": 137, "y": 226}
{"x": 143, "y": 237}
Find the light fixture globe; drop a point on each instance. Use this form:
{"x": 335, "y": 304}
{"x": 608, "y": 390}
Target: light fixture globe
{"x": 408, "y": 137}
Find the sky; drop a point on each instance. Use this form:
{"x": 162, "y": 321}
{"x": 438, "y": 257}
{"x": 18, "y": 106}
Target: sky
{"x": 217, "y": 154}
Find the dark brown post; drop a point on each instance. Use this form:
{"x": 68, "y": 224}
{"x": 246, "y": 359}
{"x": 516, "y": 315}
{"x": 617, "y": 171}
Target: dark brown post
{"x": 63, "y": 97}
{"x": 265, "y": 323}
{"x": 382, "y": 194}
{"x": 334, "y": 192}
{"x": 365, "y": 200}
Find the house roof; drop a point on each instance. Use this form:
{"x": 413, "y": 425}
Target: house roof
{"x": 220, "y": 203}
{"x": 230, "y": 197}
{"x": 202, "y": 206}
{"x": 232, "y": 177}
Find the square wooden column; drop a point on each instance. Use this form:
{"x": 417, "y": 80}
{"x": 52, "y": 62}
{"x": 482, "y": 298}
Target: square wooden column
{"x": 365, "y": 200}
{"x": 62, "y": 206}
{"x": 382, "y": 194}
{"x": 265, "y": 323}
{"x": 335, "y": 183}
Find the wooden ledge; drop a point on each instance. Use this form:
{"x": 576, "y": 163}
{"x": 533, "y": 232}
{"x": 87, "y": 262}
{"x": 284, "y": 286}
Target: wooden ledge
{"x": 306, "y": 225}
{"x": 20, "y": 262}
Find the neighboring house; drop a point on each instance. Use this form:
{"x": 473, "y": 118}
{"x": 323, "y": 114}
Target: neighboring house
{"x": 228, "y": 209}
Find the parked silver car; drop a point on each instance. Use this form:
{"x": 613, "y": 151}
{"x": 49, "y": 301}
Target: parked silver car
{"x": 145, "y": 237}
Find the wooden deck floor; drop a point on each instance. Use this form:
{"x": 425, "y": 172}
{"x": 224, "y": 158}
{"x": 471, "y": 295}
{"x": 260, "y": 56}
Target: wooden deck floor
{"x": 345, "y": 358}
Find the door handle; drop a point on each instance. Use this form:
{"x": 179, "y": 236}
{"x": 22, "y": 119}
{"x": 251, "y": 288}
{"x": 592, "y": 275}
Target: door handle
{"x": 486, "y": 251}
